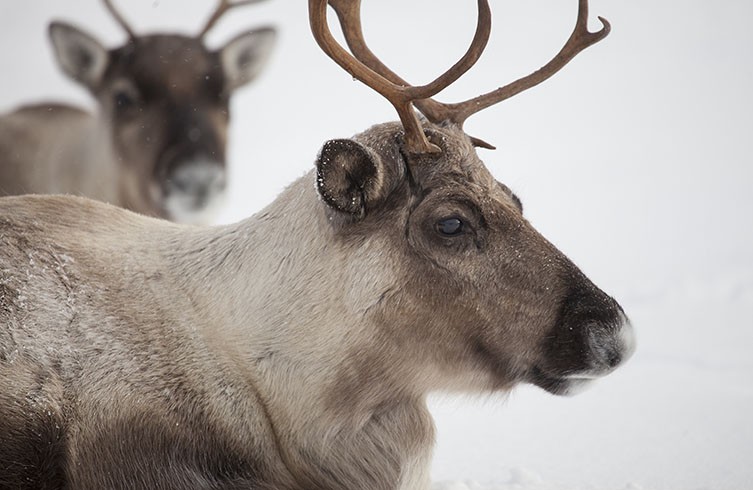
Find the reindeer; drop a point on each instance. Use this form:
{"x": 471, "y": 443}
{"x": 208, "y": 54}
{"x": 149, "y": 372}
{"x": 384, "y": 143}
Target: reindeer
{"x": 295, "y": 349}
{"x": 157, "y": 142}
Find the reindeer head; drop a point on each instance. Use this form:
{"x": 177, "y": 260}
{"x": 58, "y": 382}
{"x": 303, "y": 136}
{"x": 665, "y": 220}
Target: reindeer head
{"x": 166, "y": 99}
{"x": 479, "y": 287}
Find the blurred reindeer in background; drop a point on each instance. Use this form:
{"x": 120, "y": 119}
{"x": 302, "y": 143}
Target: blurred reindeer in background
{"x": 157, "y": 142}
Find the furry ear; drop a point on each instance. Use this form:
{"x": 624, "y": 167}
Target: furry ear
{"x": 244, "y": 57}
{"x": 80, "y": 56}
{"x": 351, "y": 178}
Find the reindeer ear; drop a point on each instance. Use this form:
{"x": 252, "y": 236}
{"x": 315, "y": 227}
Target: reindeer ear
{"x": 351, "y": 178}
{"x": 244, "y": 57}
{"x": 80, "y": 56}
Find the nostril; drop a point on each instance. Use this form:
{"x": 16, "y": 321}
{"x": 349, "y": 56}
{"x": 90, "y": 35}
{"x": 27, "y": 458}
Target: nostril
{"x": 201, "y": 191}
{"x": 611, "y": 345}
{"x": 614, "y": 359}
{"x": 180, "y": 184}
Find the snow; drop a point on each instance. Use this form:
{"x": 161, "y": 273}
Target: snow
{"x": 635, "y": 160}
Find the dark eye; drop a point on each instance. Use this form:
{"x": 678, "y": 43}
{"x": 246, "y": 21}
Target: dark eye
{"x": 450, "y": 226}
{"x": 124, "y": 100}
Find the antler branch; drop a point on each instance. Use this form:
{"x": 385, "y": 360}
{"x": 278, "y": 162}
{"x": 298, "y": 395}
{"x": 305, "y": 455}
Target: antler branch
{"x": 221, "y": 9}
{"x": 579, "y": 40}
{"x": 371, "y": 71}
{"x": 119, "y": 19}
{"x": 348, "y": 11}
{"x": 368, "y": 68}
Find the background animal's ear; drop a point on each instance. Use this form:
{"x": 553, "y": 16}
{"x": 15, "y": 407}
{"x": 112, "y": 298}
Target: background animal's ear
{"x": 244, "y": 57}
{"x": 80, "y": 56}
{"x": 351, "y": 178}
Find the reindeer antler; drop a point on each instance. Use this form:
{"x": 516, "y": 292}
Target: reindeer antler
{"x": 119, "y": 18}
{"x": 580, "y": 39}
{"x": 399, "y": 93}
{"x": 348, "y": 12}
{"x": 223, "y": 7}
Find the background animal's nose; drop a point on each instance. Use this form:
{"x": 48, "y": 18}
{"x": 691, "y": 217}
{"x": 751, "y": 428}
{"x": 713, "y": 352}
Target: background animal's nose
{"x": 194, "y": 191}
{"x": 199, "y": 181}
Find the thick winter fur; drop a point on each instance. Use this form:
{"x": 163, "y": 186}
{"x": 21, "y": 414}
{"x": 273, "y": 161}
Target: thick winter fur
{"x": 293, "y": 350}
{"x": 156, "y": 143}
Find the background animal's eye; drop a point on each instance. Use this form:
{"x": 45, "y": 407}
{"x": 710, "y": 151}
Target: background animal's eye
{"x": 124, "y": 100}
{"x": 450, "y": 226}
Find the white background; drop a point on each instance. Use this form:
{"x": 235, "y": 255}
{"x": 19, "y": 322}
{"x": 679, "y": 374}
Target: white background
{"x": 635, "y": 160}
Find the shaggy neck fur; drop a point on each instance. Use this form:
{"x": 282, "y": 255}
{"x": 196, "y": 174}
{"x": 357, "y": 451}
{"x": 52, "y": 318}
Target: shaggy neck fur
{"x": 303, "y": 324}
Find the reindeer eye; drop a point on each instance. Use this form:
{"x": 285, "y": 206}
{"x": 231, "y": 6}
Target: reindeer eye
{"x": 124, "y": 100}
{"x": 450, "y": 226}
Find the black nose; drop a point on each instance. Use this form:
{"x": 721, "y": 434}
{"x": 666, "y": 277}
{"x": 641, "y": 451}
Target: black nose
{"x": 589, "y": 335}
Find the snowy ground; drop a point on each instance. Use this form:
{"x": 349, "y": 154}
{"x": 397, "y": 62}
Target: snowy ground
{"x": 635, "y": 160}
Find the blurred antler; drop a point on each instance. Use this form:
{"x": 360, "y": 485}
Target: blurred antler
{"x": 221, "y": 9}
{"x": 119, "y": 18}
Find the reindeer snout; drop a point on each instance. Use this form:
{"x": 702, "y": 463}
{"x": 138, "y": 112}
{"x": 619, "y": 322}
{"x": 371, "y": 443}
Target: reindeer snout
{"x": 594, "y": 334}
{"x": 610, "y": 345}
{"x": 591, "y": 338}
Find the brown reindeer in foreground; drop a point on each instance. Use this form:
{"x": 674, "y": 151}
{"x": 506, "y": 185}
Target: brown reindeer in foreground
{"x": 295, "y": 349}
{"x": 157, "y": 142}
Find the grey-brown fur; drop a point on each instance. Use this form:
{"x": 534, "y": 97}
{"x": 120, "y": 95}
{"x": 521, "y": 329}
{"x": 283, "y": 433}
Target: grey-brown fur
{"x": 293, "y": 350}
{"x": 156, "y": 142}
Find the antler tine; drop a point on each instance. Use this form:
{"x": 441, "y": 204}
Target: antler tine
{"x": 580, "y": 39}
{"x": 438, "y": 112}
{"x": 119, "y": 19}
{"x": 415, "y": 140}
{"x": 348, "y": 11}
{"x": 223, "y": 7}
{"x": 401, "y": 94}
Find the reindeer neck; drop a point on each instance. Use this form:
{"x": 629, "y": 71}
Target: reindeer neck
{"x": 287, "y": 288}
{"x": 262, "y": 278}
{"x": 298, "y": 325}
